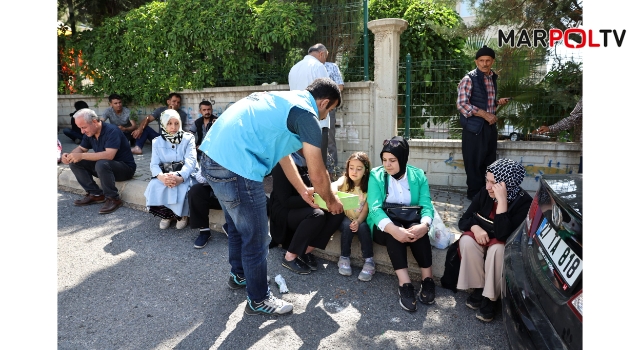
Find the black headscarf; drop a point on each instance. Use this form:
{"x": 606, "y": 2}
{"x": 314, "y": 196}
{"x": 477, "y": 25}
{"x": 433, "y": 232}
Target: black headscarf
{"x": 399, "y": 147}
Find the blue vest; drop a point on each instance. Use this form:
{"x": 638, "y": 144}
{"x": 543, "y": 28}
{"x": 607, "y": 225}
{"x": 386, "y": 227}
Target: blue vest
{"x": 251, "y": 136}
{"x": 479, "y": 99}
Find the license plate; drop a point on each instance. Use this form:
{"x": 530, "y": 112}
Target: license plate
{"x": 566, "y": 262}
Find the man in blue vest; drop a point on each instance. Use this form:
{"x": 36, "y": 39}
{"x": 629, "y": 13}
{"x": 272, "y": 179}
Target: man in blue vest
{"x": 240, "y": 149}
{"x": 477, "y": 103}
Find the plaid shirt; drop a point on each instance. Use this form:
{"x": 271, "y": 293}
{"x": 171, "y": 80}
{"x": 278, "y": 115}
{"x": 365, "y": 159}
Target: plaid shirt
{"x": 464, "y": 94}
{"x": 573, "y": 120}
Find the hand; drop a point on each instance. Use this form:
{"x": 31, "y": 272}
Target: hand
{"x": 419, "y": 230}
{"x": 335, "y": 206}
{"x": 504, "y": 101}
{"x": 500, "y": 191}
{"x": 71, "y": 158}
{"x": 136, "y": 133}
{"x": 65, "y": 158}
{"x": 541, "y": 130}
{"x": 402, "y": 235}
{"x": 122, "y": 128}
{"x": 308, "y": 197}
{"x": 491, "y": 118}
{"x": 480, "y": 234}
{"x": 354, "y": 226}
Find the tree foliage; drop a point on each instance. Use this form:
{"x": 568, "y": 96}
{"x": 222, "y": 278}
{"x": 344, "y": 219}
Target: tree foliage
{"x": 526, "y": 14}
{"x": 187, "y": 44}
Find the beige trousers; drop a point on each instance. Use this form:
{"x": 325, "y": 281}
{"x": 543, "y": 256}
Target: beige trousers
{"x": 476, "y": 271}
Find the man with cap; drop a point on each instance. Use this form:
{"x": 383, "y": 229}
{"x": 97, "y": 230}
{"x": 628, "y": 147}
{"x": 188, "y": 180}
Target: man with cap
{"x": 74, "y": 132}
{"x": 477, "y": 103}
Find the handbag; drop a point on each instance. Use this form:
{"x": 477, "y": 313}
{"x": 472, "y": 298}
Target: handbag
{"x": 168, "y": 167}
{"x": 485, "y": 223}
{"x": 405, "y": 215}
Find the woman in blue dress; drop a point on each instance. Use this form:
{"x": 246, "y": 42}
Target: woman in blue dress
{"x": 173, "y": 160}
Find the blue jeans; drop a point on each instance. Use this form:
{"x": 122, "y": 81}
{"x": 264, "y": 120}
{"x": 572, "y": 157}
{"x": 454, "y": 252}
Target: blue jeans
{"x": 245, "y": 211}
{"x": 364, "y": 236}
{"x": 108, "y": 171}
{"x": 147, "y": 134}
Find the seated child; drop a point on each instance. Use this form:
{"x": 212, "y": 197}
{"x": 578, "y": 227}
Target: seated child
{"x": 354, "y": 181}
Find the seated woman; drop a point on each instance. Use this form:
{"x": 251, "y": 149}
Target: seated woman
{"x": 393, "y": 184}
{"x": 299, "y": 227}
{"x": 166, "y": 194}
{"x": 503, "y": 202}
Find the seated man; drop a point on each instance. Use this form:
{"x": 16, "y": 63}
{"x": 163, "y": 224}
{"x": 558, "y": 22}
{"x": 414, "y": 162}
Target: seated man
{"x": 201, "y": 125}
{"x": 120, "y": 116}
{"x": 111, "y": 161}
{"x": 144, "y": 133}
{"x": 74, "y": 132}
{"x": 201, "y": 199}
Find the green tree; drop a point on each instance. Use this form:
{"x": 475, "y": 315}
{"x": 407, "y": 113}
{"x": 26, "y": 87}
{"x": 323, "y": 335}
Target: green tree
{"x": 188, "y": 44}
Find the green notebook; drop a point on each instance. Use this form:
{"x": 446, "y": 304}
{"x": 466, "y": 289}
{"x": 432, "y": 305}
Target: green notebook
{"x": 349, "y": 201}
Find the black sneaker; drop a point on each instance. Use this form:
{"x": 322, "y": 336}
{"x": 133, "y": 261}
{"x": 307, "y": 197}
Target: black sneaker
{"x": 236, "y": 282}
{"x": 310, "y": 260}
{"x": 269, "y": 306}
{"x": 475, "y": 299}
{"x": 296, "y": 265}
{"x": 427, "y": 293}
{"x": 487, "y": 310}
{"x": 408, "y": 297}
{"x": 202, "y": 239}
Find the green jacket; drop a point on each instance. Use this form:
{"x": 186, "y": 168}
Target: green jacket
{"x": 418, "y": 185}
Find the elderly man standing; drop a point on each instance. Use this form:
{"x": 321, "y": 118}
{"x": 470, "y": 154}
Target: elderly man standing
{"x": 110, "y": 161}
{"x": 477, "y": 103}
{"x": 240, "y": 149}
{"x": 303, "y": 73}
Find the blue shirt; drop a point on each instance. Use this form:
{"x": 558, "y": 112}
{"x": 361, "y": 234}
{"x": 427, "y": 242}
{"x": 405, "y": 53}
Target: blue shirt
{"x": 111, "y": 137}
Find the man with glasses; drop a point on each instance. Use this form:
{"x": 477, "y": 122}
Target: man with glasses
{"x": 303, "y": 73}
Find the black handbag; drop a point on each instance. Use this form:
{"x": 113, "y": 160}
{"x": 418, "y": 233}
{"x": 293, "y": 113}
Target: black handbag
{"x": 168, "y": 167}
{"x": 405, "y": 215}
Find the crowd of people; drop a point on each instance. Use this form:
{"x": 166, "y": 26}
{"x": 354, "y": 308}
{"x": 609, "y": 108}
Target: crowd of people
{"x": 281, "y": 134}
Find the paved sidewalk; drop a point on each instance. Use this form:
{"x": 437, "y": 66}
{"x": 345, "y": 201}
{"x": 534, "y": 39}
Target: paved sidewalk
{"x": 449, "y": 202}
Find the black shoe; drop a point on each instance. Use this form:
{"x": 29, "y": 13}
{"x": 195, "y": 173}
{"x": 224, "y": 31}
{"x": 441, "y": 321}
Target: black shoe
{"x": 487, "y": 310}
{"x": 310, "y": 260}
{"x": 408, "y": 297}
{"x": 236, "y": 282}
{"x": 296, "y": 265}
{"x": 427, "y": 294}
{"x": 202, "y": 239}
{"x": 475, "y": 299}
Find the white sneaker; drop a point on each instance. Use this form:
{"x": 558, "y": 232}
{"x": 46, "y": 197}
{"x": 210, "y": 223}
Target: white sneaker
{"x": 344, "y": 266}
{"x": 164, "y": 224}
{"x": 182, "y": 223}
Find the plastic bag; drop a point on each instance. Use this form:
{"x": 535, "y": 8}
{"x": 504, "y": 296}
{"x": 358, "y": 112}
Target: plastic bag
{"x": 439, "y": 235}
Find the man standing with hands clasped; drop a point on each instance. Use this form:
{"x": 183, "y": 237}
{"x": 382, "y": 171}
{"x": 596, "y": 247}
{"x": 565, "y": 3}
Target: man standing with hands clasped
{"x": 477, "y": 103}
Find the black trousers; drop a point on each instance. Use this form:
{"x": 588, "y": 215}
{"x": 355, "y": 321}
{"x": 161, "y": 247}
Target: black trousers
{"x": 421, "y": 249}
{"x": 313, "y": 227}
{"x": 478, "y": 152}
{"x": 201, "y": 199}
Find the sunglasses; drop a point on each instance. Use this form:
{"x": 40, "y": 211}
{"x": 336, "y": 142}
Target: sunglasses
{"x": 394, "y": 143}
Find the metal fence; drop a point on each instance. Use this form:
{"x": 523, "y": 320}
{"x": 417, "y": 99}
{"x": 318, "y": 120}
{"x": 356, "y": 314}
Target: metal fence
{"x": 544, "y": 88}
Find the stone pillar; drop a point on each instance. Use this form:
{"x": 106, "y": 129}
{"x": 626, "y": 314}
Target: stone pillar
{"x": 384, "y": 121}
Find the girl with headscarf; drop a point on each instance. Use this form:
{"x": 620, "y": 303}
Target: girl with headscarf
{"x": 406, "y": 185}
{"x": 481, "y": 245}
{"x": 297, "y": 226}
{"x": 166, "y": 194}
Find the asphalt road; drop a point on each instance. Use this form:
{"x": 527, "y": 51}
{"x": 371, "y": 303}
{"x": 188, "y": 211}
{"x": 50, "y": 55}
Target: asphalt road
{"x": 125, "y": 284}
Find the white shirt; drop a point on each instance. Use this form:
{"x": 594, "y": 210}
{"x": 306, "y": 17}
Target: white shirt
{"x": 304, "y": 73}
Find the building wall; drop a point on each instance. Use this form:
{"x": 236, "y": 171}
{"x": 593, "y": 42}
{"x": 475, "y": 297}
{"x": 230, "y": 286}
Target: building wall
{"x": 441, "y": 159}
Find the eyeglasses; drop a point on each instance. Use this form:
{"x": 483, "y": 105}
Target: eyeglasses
{"x": 394, "y": 143}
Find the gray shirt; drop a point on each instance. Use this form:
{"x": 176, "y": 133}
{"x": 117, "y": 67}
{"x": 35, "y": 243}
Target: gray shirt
{"x": 113, "y": 118}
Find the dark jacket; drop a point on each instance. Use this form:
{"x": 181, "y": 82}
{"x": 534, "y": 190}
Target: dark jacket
{"x": 198, "y": 123}
{"x": 504, "y": 224}
{"x": 284, "y": 197}
{"x": 479, "y": 98}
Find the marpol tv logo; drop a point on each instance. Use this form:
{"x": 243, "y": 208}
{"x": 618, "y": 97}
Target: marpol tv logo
{"x": 540, "y": 37}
